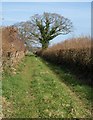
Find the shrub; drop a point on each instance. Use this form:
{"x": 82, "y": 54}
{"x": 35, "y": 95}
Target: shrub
{"x": 75, "y": 53}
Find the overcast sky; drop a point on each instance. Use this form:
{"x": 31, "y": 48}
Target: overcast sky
{"x": 78, "y": 12}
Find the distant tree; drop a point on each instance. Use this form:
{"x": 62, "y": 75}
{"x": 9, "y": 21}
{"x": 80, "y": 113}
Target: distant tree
{"x": 44, "y": 28}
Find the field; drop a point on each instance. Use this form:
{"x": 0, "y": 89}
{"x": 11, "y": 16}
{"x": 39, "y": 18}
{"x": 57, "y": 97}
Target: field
{"x": 44, "y": 78}
{"x": 45, "y": 86}
{"x": 42, "y": 90}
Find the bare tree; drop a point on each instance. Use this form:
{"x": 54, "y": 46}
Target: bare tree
{"x": 44, "y": 28}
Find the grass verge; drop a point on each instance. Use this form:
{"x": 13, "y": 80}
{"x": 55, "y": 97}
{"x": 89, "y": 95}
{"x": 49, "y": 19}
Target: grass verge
{"x": 39, "y": 90}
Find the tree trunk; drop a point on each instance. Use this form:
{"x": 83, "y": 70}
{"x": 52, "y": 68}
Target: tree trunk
{"x": 45, "y": 45}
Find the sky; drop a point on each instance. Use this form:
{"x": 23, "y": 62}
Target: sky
{"x": 78, "y": 12}
{"x": 46, "y": 0}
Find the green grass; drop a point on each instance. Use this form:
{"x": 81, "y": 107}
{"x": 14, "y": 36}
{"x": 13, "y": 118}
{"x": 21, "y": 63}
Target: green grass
{"x": 40, "y": 90}
{"x": 81, "y": 89}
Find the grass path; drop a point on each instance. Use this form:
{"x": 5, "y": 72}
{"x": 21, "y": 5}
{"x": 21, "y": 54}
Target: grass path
{"x": 37, "y": 91}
